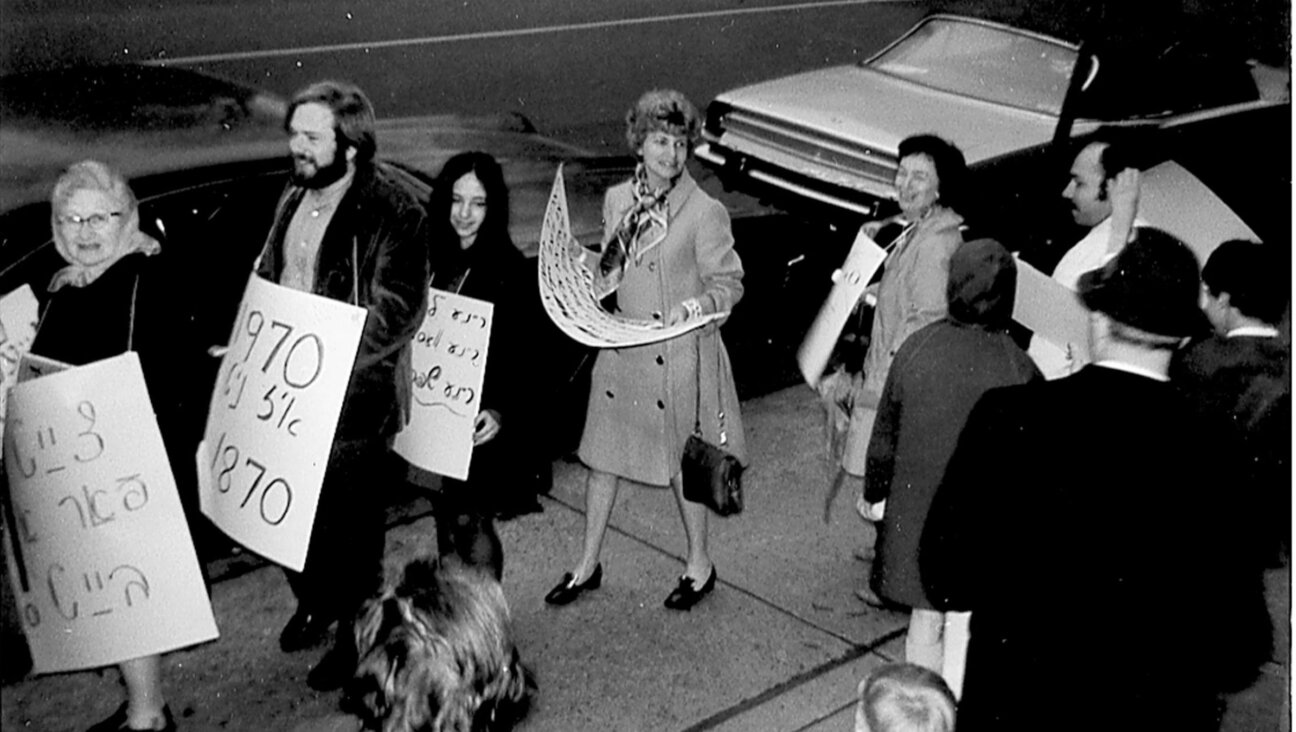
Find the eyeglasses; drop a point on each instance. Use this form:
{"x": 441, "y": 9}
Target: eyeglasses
{"x": 96, "y": 221}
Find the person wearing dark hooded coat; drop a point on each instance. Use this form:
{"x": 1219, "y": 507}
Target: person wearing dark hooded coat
{"x": 938, "y": 374}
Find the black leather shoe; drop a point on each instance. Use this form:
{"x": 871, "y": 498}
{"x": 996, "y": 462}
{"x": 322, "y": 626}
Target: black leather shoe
{"x": 337, "y": 667}
{"x": 567, "y": 590}
{"x": 684, "y": 596}
{"x": 304, "y": 630}
{"x": 117, "y": 722}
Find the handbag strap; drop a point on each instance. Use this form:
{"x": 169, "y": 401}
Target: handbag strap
{"x": 697, "y": 412}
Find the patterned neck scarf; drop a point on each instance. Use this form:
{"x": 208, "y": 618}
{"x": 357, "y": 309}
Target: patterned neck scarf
{"x": 641, "y": 228}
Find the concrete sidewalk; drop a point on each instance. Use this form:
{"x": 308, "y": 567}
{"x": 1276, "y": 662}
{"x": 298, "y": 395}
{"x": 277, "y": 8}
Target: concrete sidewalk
{"x": 780, "y": 645}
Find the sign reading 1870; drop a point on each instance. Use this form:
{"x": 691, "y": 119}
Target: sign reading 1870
{"x": 272, "y": 417}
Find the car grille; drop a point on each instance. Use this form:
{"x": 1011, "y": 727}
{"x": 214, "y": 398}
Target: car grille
{"x": 819, "y": 149}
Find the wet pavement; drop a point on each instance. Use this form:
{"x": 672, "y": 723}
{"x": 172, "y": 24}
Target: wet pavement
{"x": 780, "y": 644}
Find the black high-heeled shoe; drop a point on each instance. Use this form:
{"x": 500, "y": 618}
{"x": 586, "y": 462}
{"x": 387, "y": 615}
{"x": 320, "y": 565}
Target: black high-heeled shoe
{"x": 567, "y": 590}
{"x": 685, "y": 595}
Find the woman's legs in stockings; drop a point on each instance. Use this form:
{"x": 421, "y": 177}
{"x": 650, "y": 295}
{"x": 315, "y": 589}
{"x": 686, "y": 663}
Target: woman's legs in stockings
{"x": 144, "y": 699}
{"x": 600, "y": 495}
{"x": 694, "y": 516}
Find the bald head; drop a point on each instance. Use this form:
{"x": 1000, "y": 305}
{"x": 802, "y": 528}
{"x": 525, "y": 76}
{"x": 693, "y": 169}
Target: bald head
{"x": 1087, "y": 189}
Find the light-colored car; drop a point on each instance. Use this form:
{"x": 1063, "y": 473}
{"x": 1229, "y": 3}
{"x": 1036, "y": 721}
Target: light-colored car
{"x": 831, "y": 135}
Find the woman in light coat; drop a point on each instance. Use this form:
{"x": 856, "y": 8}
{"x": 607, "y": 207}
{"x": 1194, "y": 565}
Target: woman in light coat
{"x": 668, "y": 256}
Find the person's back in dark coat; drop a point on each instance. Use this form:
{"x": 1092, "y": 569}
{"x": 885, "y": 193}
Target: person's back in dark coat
{"x": 1095, "y": 528}
{"x": 1106, "y": 555}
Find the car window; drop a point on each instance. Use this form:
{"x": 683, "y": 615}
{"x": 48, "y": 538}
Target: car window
{"x": 994, "y": 64}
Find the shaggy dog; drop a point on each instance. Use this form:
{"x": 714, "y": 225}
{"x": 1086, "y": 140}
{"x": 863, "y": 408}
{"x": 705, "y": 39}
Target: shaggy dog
{"x": 436, "y": 654}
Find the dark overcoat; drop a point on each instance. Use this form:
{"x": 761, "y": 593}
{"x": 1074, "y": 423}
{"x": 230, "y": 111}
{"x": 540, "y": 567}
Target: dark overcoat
{"x": 1091, "y": 525}
{"x": 936, "y": 378}
{"x": 1247, "y": 381}
{"x": 374, "y": 255}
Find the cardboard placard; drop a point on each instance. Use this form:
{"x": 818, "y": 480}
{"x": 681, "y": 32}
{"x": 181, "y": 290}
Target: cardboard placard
{"x": 19, "y": 314}
{"x": 101, "y": 559}
{"x": 273, "y": 415}
{"x": 448, "y": 360}
{"x": 849, "y": 282}
{"x": 1052, "y": 311}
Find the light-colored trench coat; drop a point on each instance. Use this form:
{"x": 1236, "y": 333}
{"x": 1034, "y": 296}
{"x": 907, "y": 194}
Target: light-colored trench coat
{"x": 911, "y": 295}
{"x": 643, "y": 399}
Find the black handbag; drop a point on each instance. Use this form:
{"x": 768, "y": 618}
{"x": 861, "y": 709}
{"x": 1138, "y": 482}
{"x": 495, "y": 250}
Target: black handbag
{"x": 711, "y": 475}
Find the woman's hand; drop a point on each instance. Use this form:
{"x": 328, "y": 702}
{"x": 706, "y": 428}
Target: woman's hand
{"x": 685, "y": 311}
{"x": 486, "y": 426}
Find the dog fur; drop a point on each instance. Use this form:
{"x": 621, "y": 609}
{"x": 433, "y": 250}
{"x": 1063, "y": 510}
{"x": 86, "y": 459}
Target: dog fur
{"x": 436, "y": 654}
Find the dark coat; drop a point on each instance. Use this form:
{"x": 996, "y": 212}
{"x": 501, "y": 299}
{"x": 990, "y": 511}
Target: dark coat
{"x": 1087, "y": 525}
{"x": 1246, "y": 380}
{"x": 936, "y": 378}
{"x": 494, "y": 271}
{"x": 381, "y": 220}
{"x": 126, "y": 308}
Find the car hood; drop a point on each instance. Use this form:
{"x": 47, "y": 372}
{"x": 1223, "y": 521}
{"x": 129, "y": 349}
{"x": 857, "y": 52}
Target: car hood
{"x": 865, "y": 105}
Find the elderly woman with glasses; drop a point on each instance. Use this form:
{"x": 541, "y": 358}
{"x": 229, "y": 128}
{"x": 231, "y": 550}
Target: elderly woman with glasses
{"x": 668, "y": 255}
{"x": 95, "y": 312}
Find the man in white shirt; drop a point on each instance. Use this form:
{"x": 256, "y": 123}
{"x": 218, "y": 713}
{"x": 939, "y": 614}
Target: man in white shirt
{"x": 1103, "y": 191}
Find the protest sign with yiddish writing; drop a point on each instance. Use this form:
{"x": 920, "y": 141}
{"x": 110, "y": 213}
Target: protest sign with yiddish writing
{"x": 100, "y": 556}
{"x": 18, "y": 318}
{"x": 273, "y": 414}
{"x": 567, "y": 289}
{"x": 448, "y": 359}
{"x": 849, "y": 282}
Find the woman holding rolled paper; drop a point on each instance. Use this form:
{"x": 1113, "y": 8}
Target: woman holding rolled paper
{"x": 668, "y": 255}
{"x": 94, "y": 313}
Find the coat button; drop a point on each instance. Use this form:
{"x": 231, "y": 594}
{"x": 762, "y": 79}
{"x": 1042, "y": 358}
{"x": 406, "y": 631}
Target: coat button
{"x": 656, "y": 315}
{"x": 661, "y": 404}
{"x": 660, "y": 360}
{"x": 610, "y": 394}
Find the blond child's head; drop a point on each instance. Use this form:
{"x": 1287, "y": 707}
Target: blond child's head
{"x": 903, "y": 697}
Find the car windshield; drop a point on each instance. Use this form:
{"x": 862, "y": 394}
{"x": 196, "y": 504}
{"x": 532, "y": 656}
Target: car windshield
{"x": 985, "y": 62}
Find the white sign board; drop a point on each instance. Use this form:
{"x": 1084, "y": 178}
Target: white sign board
{"x": 92, "y": 499}
{"x": 1053, "y": 312}
{"x": 273, "y": 414}
{"x": 18, "y": 318}
{"x": 849, "y": 282}
{"x": 567, "y": 289}
{"x": 449, "y": 363}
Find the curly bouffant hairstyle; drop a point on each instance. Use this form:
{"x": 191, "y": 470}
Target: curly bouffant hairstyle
{"x": 662, "y": 109}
